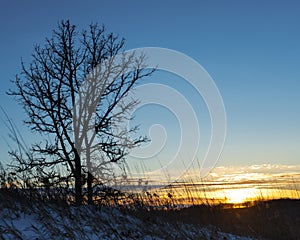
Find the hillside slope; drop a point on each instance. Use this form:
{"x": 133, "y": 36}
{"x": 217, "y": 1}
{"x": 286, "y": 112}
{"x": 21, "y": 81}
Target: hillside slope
{"x": 21, "y": 219}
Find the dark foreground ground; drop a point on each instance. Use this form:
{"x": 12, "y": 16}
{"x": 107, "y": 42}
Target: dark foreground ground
{"x": 274, "y": 219}
{"x": 21, "y": 218}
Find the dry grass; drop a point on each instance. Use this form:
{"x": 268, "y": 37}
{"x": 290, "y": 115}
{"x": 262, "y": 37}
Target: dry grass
{"x": 274, "y": 219}
{"x": 46, "y": 220}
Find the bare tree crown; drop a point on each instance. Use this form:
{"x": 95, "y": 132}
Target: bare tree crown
{"x": 48, "y": 89}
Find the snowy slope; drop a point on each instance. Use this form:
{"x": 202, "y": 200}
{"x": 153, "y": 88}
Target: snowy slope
{"x": 23, "y": 220}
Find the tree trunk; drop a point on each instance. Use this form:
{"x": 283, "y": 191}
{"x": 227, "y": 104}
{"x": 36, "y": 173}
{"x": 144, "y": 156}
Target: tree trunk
{"x": 78, "y": 180}
{"x": 90, "y": 188}
{"x": 89, "y": 176}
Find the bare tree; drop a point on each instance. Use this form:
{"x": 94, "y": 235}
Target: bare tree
{"x": 73, "y": 94}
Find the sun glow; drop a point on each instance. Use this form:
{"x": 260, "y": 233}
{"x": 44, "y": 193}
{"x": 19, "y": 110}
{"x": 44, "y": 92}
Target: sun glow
{"x": 241, "y": 195}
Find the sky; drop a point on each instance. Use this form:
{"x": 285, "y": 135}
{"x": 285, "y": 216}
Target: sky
{"x": 250, "y": 48}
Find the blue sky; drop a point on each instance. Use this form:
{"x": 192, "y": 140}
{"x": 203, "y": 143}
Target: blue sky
{"x": 250, "y": 48}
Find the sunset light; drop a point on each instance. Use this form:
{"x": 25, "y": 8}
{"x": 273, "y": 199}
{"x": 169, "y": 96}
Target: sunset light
{"x": 237, "y": 196}
{"x": 150, "y": 120}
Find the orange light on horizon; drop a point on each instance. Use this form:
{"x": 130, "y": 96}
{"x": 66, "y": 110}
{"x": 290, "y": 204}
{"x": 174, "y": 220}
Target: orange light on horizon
{"x": 240, "y": 195}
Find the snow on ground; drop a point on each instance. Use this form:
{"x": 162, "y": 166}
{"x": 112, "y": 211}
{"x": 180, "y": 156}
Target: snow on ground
{"x": 51, "y": 221}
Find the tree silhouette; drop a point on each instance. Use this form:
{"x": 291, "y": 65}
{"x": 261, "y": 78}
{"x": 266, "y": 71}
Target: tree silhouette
{"x": 73, "y": 94}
